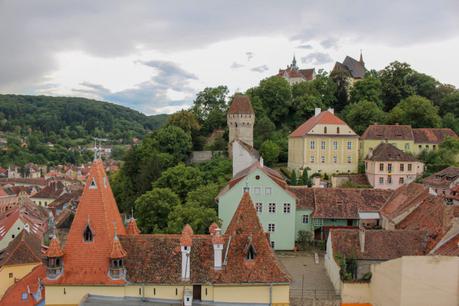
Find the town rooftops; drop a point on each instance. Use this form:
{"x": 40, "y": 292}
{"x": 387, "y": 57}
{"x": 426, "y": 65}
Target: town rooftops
{"x": 392, "y": 132}
{"x": 443, "y": 178}
{"x": 404, "y": 198}
{"x": 25, "y": 248}
{"x": 388, "y": 152}
{"x": 378, "y": 244}
{"x": 241, "y": 105}
{"x": 432, "y": 135}
{"x": 53, "y": 191}
{"x": 156, "y": 258}
{"x": 306, "y": 74}
{"x": 28, "y": 291}
{"x": 325, "y": 117}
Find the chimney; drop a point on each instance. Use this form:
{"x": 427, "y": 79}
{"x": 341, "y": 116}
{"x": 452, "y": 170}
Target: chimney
{"x": 331, "y": 110}
{"x": 362, "y": 239}
{"x": 217, "y": 242}
{"x": 317, "y": 111}
{"x": 186, "y": 241}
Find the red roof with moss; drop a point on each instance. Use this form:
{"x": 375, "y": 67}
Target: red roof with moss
{"x": 325, "y": 117}
{"x": 88, "y": 262}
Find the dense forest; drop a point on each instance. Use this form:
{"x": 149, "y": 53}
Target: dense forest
{"x": 165, "y": 193}
{"x": 53, "y": 130}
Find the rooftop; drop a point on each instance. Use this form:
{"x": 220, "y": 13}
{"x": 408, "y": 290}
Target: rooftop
{"x": 241, "y": 105}
{"x": 432, "y": 135}
{"x": 390, "y": 132}
{"x": 325, "y": 117}
{"x": 28, "y": 286}
{"x": 443, "y": 178}
{"x": 388, "y": 152}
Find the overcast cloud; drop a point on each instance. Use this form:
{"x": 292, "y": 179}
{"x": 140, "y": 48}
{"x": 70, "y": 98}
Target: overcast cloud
{"x": 35, "y": 33}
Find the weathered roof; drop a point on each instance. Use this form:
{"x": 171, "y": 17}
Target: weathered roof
{"x": 7, "y": 221}
{"x": 443, "y": 178}
{"x": 379, "y": 244}
{"x": 66, "y": 198}
{"x": 88, "y": 262}
{"x": 388, "y": 152}
{"x": 432, "y": 135}
{"x": 304, "y": 196}
{"x": 390, "y": 132}
{"x": 355, "y": 67}
{"x": 325, "y": 117}
{"x": 29, "y": 285}
{"x": 25, "y": 248}
{"x": 53, "y": 191}
{"x": 306, "y": 74}
{"x": 241, "y": 105}
{"x": 404, "y": 198}
{"x": 156, "y": 258}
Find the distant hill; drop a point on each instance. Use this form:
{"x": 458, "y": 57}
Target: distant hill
{"x": 75, "y": 118}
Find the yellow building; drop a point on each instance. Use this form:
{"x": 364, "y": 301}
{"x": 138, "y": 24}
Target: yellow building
{"x": 104, "y": 261}
{"x": 21, "y": 256}
{"x": 325, "y": 144}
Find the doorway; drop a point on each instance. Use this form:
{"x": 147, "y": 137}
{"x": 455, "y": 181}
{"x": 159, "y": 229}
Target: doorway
{"x": 197, "y": 292}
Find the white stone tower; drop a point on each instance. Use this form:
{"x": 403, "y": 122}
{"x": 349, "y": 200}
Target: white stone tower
{"x": 240, "y": 119}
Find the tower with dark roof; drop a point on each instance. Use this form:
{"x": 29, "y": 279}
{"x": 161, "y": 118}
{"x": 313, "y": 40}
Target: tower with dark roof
{"x": 240, "y": 119}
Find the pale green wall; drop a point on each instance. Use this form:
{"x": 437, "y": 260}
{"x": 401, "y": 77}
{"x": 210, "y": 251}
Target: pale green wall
{"x": 299, "y": 225}
{"x": 284, "y": 235}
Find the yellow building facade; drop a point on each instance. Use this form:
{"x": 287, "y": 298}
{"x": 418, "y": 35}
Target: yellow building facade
{"x": 324, "y": 144}
{"x": 9, "y": 274}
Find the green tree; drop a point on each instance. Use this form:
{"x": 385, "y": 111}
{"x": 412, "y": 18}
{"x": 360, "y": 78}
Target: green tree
{"x": 153, "y": 209}
{"x": 199, "y": 218}
{"x": 450, "y": 121}
{"x": 369, "y": 89}
{"x": 423, "y": 85}
{"x": 204, "y": 196}
{"x": 263, "y": 129}
{"x": 181, "y": 179}
{"x": 417, "y": 111}
{"x": 172, "y": 140}
{"x": 360, "y": 115}
{"x": 305, "y": 179}
{"x": 270, "y": 152}
{"x": 210, "y": 107}
{"x": 343, "y": 87}
{"x": 293, "y": 178}
{"x": 450, "y": 103}
{"x": 186, "y": 120}
{"x": 394, "y": 84}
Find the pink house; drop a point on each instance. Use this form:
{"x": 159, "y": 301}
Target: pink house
{"x": 387, "y": 167}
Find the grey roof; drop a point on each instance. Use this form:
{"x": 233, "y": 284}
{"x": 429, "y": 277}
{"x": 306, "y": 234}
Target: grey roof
{"x": 355, "y": 67}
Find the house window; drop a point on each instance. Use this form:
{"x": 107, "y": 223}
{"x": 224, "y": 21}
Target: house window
{"x": 286, "y": 208}
{"x": 381, "y": 180}
{"x": 381, "y": 167}
{"x": 87, "y": 235}
{"x": 272, "y": 208}
{"x": 407, "y": 146}
{"x": 401, "y": 180}
{"x": 246, "y": 189}
{"x": 325, "y": 130}
{"x": 349, "y": 145}
{"x": 322, "y": 159}
{"x": 427, "y": 146}
{"x": 305, "y": 219}
{"x": 389, "y": 168}
{"x": 402, "y": 167}
{"x": 271, "y": 227}
{"x": 268, "y": 191}
{"x": 93, "y": 184}
{"x": 312, "y": 159}
{"x": 272, "y": 244}
{"x": 24, "y": 296}
{"x": 335, "y": 145}
{"x": 259, "y": 207}
{"x": 349, "y": 159}
{"x": 337, "y": 130}
{"x": 420, "y": 146}
{"x": 312, "y": 145}
{"x": 322, "y": 145}
{"x": 335, "y": 159}
{"x": 389, "y": 180}
{"x": 257, "y": 190}
{"x": 10, "y": 275}
{"x": 410, "y": 167}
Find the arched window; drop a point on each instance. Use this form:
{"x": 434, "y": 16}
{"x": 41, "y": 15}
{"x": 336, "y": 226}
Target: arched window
{"x": 250, "y": 253}
{"x": 87, "y": 235}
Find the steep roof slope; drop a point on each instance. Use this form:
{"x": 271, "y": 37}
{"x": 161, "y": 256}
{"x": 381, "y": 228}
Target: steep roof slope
{"x": 388, "y": 152}
{"x": 241, "y": 105}
{"x": 325, "y": 117}
{"x": 432, "y": 135}
{"x": 25, "y": 248}
{"x": 406, "y": 197}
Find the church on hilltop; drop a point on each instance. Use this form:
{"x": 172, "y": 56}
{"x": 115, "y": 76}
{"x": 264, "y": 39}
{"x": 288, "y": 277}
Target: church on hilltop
{"x": 295, "y": 75}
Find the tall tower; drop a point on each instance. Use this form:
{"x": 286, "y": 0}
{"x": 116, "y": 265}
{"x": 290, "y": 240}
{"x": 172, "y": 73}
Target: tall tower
{"x": 240, "y": 120}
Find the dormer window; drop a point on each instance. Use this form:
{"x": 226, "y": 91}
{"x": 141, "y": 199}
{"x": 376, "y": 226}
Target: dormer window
{"x": 93, "y": 184}
{"x": 87, "y": 235}
{"x": 250, "y": 253}
{"x": 117, "y": 270}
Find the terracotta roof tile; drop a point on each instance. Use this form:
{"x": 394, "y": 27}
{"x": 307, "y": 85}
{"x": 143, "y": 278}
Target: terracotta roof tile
{"x": 405, "y": 198}
{"x": 325, "y": 117}
{"x": 53, "y": 191}
{"x": 213, "y": 228}
{"x": 240, "y": 105}
{"x": 117, "y": 249}
{"x": 29, "y": 285}
{"x": 25, "y": 248}
{"x": 88, "y": 262}
{"x": 450, "y": 247}
{"x": 132, "y": 228}
{"x": 443, "y": 178}
{"x": 379, "y": 244}
{"x": 306, "y": 74}
{"x": 432, "y": 135}
{"x": 54, "y": 249}
{"x": 186, "y": 239}
{"x": 304, "y": 196}
{"x": 390, "y": 132}
{"x": 388, "y": 152}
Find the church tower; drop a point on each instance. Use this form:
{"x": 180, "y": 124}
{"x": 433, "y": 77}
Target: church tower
{"x": 240, "y": 120}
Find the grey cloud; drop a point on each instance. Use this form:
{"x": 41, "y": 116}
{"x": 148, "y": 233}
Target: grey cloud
{"x": 305, "y": 46}
{"x": 235, "y": 65}
{"x": 317, "y": 58}
{"x": 249, "y": 55}
{"x": 329, "y": 43}
{"x": 260, "y": 69}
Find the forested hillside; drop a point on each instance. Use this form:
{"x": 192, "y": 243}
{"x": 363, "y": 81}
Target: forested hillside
{"x": 49, "y": 129}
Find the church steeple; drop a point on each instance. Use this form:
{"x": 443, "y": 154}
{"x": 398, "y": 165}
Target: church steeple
{"x": 361, "y": 58}
{"x": 294, "y": 66}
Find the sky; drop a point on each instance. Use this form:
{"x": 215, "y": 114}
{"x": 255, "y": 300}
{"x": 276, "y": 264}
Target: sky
{"x": 154, "y": 56}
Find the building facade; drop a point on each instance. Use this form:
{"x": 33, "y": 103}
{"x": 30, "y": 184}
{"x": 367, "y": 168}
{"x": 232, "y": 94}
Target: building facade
{"x": 324, "y": 144}
{"x": 295, "y": 75}
{"x": 387, "y": 167}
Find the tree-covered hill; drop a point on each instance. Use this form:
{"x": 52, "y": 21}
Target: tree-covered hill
{"x": 45, "y": 127}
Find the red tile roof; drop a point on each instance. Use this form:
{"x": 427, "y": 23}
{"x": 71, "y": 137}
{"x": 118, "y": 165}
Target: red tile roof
{"x": 449, "y": 248}
{"x": 241, "y": 105}
{"x": 117, "y": 249}
{"x": 157, "y": 258}
{"x": 432, "y": 135}
{"x": 3, "y": 193}
{"x": 325, "y": 117}
{"x": 53, "y": 191}
{"x": 306, "y": 74}
{"x": 390, "y": 132}
{"x": 132, "y": 228}
{"x": 186, "y": 239}
{"x": 25, "y": 248}
{"x": 388, "y": 152}
{"x": 7, "y": 222}
{"x": 213, "y": 228}
{"x": 304, "y": 196}
{"x": 88, "y": 262}
{"x": 54, "y": 249}
{"x": 28, "y": 285}
{"x": 405, "y": 198}
{"x": 443, "y": 178}
{"x": 379, "y": 244}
